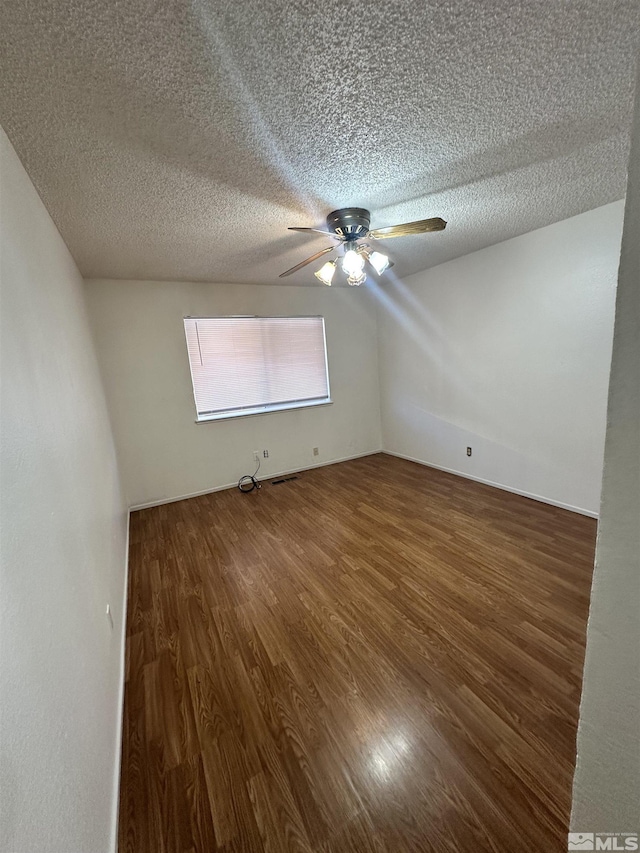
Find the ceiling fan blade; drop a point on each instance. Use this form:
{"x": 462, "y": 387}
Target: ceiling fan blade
{"x": 308, "y": 261}
{"x": 318, "y": 231}
{"x": 421, "y": 226}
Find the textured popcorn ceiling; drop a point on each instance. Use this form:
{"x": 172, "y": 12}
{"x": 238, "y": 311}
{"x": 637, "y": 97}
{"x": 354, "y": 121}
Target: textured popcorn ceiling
{"x": 177, "y": 140}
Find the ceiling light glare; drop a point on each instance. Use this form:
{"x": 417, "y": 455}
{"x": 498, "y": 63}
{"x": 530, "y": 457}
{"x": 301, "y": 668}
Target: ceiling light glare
{"x": 379, "y": 262}
{"x": 325, "y": 273}
{"x": 353, "y": 264}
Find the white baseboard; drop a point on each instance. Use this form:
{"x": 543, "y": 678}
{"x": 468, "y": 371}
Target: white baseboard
{"x": 234, "y": 485}
{"x": 504, "y": 488}
{"x": 120, "y": 720}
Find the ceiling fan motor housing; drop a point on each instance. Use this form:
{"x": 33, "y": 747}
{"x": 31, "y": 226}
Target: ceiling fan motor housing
{"x": 352, "y": 223}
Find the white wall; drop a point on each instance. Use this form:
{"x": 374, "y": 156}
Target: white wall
{"x": 164, "y": 454}
{"x": 507, "y": 350}
{"x": 63, "y": 528}
{"x": 606, "y": 793}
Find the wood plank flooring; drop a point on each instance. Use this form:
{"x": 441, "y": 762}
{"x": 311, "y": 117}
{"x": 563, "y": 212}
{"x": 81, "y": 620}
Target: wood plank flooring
{"x": 376, "y": 656}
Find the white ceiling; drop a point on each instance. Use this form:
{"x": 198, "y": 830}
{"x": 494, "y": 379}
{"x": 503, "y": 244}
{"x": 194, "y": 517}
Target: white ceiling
{"x": 175, "y": 139}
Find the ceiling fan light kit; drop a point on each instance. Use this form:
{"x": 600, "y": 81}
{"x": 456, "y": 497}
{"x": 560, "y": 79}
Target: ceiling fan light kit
{"x": 349, "y": 226}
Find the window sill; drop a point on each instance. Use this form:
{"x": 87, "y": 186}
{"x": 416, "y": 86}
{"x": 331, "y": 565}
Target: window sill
{"x": 261, "y": 410}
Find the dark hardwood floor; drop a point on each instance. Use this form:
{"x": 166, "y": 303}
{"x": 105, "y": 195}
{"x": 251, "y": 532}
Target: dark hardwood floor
{"x": 375, "y": 657}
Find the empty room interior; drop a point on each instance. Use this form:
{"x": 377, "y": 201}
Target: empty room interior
{"x": 320, "y": 448}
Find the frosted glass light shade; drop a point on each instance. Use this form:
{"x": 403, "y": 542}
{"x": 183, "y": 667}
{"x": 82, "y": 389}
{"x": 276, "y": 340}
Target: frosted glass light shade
{"x": 326, "y": 272}
{"x": 353, "y": 263}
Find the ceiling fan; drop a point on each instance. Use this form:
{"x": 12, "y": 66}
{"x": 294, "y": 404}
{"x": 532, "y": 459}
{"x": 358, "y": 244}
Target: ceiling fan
{"x": 349, "y": 226}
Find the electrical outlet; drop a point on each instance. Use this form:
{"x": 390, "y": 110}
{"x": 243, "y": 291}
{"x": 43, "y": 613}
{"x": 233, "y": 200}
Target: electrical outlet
{"x": 109, "y": 616}
{"x": 315, "y": 451}
{"x": 256, "y": 455}
{"x": 265, "y": 453}
{"x": 468, "y": 451}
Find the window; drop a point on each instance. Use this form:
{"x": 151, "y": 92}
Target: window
{"x": 249, "y": 365}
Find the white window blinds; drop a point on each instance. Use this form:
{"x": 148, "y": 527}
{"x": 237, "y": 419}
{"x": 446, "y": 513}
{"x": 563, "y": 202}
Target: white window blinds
{"x": 247, "y": 365}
